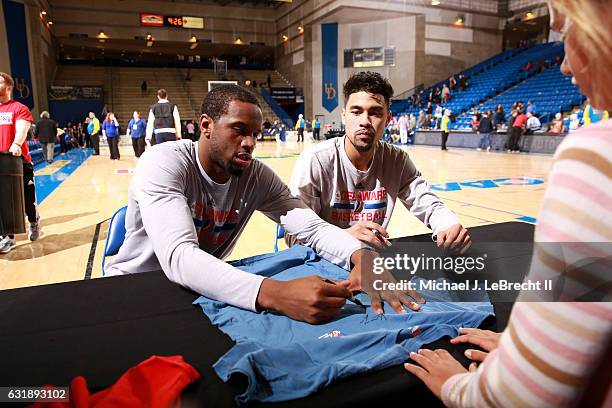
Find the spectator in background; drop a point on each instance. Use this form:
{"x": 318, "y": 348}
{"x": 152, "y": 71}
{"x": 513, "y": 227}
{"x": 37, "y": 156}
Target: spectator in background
{"x": 439, "y": 113}
{"x": 266, "y": 124}
{"x": 430, "y": 97}
{"x": 516, "y": 131}
{"x": 110, "y": 130}
{"x": 300, "y": 124}
{"x": 137, "y": 130}
{"x": 80, "y": 135}
{"x": 427, "y": 122}
{"x": 558, "y": 60}
{"x": 402, "y": 123}
{"x": 574, "y": 124}
{"x": 463, "y": 84}
{"x": 437, "y": 96}
{"x": 71, "y": 131}
{"x": 452, "y": 83}
{"x": 446, "y": 93}
{"x": 485, "y": 127}
{"x": 143, "y": 88}
{"x": 528, "y": 66}
{"x": 387, "y": 133}
{"x": 429, "y": 108}
{"x": 531, "y": 108}
{"x": 411, "y": 128}
{"x": 445, "y": 127}
{"x": 61, "y": 136}
{"x": 16, "y": 120}
{"x": 93, "y": 129}
{"x": 499, "y": 118}
{"x": 164, "y": 122}
{"x": 190, "y": 128}
{"x": 46, "y": 132}
{"x": 533, "y": 123}
{"x": 421, "y": 120}
{"x": 593, "y": 115}
{"x": 475, "y": 122}
{"x": 557, "y": 125}
{"x": 104, "y": 111}
{"x": 539, "y": 66}
{"x": 316, "y": 129}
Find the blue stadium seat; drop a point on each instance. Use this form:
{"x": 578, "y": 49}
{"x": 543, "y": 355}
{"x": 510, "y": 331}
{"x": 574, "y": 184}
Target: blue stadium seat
{"x": 115, "y": 236}
{"x": 502, "y": 80}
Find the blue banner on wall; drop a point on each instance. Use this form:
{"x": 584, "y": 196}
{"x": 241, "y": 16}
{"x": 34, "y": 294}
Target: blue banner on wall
{"x": 329, "y": 43}
{"x": 14, "y": 19}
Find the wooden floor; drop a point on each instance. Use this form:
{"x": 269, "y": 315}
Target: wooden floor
{"x": 79, "y": 208}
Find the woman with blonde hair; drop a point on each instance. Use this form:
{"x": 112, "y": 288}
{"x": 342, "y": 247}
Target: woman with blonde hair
{"x": 555, "y": 354}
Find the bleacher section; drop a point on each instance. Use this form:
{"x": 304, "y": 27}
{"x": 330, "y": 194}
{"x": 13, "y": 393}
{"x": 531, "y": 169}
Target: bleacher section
{"x": 123, "y": 95}
{"x": 127, "y": 96}
{"x": 550, "y": 91}
{"x": 503, "y": 78}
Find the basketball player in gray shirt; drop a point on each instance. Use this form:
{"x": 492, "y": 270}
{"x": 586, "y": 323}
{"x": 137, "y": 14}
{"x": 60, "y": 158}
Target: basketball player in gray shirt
{"x": 189, "y": 202}
{"x": 354, "y": 181}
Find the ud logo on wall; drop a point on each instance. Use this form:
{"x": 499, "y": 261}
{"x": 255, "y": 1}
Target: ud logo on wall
{"x": 14, "y": 19}
{"x": 329, "y": 44}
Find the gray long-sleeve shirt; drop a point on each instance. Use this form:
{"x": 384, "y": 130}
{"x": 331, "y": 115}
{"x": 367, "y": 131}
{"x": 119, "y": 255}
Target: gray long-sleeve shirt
{"x": 326, "y": 180}
{"x": 180, "y": 221}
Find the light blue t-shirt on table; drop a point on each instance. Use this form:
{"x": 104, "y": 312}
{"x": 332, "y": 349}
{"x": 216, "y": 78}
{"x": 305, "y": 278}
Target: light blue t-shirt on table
{"x": 285, "y": 359}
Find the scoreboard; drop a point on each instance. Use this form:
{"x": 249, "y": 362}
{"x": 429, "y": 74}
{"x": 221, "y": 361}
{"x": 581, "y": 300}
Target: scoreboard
{"x": 369, "y": 57}
{"x": 158, "y": 20}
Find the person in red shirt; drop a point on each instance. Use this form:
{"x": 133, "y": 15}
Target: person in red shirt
{"x": 15, "y": 121}
{"x": 518, "y": 126}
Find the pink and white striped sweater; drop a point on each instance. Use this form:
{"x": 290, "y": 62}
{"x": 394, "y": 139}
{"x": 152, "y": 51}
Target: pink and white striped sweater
{"x": 551, "y": 354}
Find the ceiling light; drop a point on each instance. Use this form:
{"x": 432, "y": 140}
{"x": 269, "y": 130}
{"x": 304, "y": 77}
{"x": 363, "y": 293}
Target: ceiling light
{"x": 285, "y": 38}
{"x": 193, "y": 39}
{"x": 529, "y": 15}
{"x": 459, "y": 21}
{"x": 435, "y": 2}
{"x": 238, "y": 41}
{"x": 300, "y": 29}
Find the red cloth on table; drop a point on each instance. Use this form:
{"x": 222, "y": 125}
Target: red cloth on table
{"x": 155, "y": 383}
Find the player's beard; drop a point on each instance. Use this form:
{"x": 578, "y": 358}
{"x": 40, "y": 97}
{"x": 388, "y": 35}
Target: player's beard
{"x": 359, "y": 145}
{"x": 225, "y": 164}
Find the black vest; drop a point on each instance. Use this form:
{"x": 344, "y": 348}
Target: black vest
{"x": 163, "y": 115}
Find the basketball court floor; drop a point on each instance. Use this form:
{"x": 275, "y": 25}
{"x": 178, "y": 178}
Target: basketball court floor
{"x": 79, "y": 193}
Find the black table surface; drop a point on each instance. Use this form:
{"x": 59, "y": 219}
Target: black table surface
{"x": 100, "y": 328}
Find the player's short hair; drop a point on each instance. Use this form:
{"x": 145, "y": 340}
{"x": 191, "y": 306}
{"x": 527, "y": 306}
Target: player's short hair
{"x": 8, "y": 80}
{"x": 368, "y": 81}
{"x": 162, "y": 93}
{"x": 216, "y": 103}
